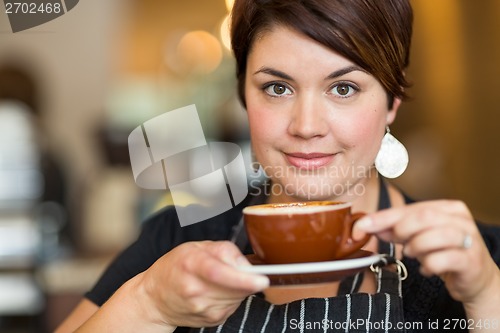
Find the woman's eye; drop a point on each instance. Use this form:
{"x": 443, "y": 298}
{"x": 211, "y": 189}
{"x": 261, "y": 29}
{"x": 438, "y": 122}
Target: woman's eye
{"x": 344, "y": 90}
{"x": 277, "y": 89}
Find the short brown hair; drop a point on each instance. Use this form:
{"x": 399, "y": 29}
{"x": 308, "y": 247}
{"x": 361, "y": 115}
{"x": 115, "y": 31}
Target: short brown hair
{"x": 374, "y": 34}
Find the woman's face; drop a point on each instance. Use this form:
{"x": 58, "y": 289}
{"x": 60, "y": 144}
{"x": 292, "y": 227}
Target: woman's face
{"x": 316, "y": 119}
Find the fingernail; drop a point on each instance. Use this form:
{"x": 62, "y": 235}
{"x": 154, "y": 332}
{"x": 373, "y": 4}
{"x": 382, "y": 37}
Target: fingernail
{"x": 261, "y": 282}
{"x": 364, "y": 223}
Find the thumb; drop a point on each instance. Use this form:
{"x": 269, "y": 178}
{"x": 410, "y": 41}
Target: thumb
{"x": 228, "y": 253}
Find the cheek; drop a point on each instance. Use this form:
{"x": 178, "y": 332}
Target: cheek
{"x": 260, "y": 132}
{"x": 366, "y": 130}
{"x": 253, "y": 119}
{"x": 264, "y": 123}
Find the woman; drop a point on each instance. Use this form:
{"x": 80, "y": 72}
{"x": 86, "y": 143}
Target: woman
{"x": 321, "y": 81}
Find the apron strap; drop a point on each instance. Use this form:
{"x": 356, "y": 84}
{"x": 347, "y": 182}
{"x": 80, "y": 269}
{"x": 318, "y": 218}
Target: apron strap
{"x": 389, "y": 272}
{"x": 384, "y": 202}
{"x": 351, "y": 284}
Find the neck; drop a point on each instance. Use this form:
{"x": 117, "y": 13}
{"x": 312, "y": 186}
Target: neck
{"x": 368, "y": 201}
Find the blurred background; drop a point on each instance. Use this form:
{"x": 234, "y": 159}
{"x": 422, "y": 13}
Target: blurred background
{"x": 71, "y": 91}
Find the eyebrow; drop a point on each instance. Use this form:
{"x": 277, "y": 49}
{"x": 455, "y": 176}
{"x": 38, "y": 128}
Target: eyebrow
{"x": 333, "y": 75}
{"x": 344, "y": 71}
{"x": 274, "y": 72}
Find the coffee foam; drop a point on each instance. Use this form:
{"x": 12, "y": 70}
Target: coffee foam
{"x": 293, "y": 208}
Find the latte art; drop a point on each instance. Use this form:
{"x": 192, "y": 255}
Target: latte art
{"x": 295, "y": 208}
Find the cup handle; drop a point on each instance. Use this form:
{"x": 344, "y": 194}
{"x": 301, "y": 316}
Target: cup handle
{"x": 349, "y": 245}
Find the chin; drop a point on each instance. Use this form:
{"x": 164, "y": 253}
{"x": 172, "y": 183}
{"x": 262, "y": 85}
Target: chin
{"x": 308, "y": 190}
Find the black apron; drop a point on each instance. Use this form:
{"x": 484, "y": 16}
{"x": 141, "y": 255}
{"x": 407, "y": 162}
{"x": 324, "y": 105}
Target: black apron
{"x": 349, "y": 311}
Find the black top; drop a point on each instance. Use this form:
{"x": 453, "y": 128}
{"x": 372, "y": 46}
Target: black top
{"x": 425, "y": 299}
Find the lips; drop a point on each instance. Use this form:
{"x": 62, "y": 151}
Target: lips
{"x": 308, "y": 160}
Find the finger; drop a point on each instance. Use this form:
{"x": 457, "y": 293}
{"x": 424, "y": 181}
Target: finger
{"x": 408, "y": 220}
{"x": 395, "y": 225}
{"x": 227, "y": 252}
{"x": 386, "y": 235}
{"x": 206, "y": 305}
{"x": 380, "y": 221}
{"x": 218, "y": 268}
{"x": 443, "y": 262}
{"x": 434, "y": 240}
{"x": 358, "y": 234}
{"x": 387, "y": 218}
{"x": 215, "y": 315}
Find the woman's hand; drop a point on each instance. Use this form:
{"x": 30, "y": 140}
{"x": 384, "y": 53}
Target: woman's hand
{"x": 196, "y": 284}
{"x": 443, "y": 236}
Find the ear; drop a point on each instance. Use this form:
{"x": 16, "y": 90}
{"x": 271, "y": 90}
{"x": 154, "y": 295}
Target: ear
{"x": 391, "y": 114}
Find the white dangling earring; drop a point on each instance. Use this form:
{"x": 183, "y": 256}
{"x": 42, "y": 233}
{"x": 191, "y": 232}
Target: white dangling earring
{"x": 392, "y": 158}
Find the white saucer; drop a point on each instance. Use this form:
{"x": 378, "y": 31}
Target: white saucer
{"x": 312, "y": 272}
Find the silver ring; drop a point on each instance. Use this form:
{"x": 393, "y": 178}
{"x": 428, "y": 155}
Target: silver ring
{"x": 467, "y": 243}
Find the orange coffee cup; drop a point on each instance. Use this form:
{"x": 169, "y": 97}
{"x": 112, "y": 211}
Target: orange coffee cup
{"x": 302, "y": 231}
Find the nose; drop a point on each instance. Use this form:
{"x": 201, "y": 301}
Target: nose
{"x": 308, "y": 119}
